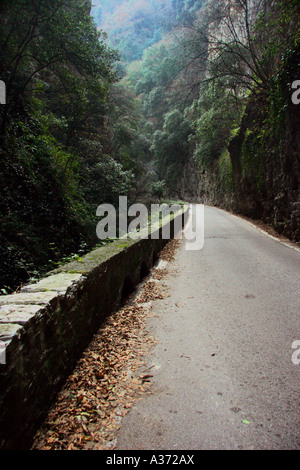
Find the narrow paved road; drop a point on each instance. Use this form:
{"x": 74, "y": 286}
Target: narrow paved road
{"x": 223, "y": 376}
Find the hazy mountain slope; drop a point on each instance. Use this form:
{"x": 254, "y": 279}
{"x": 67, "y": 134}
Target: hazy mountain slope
{"x": 132, "y": 25}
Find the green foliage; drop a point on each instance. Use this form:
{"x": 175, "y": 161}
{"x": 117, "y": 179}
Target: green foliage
{"x": 35, "y": 211}
{"x": 154, "y": 80}
{"x": 276, "y": 33}
{"x": 133, "y": 25}
{"x": 158, "y": 189}
{"x": 186, "y": 8}
{"x": 58, "y": 130}
{"x": 107, "y": 181}
{"x": 73, "y": 138}
{"x": 280, "y": 96}
{"x": 171, "y": 147}
{"x": 216, "y": 115}
{"x": 225, "y": 175}
{"x": 54, "y": 41}
{"x": 157, "y": 69}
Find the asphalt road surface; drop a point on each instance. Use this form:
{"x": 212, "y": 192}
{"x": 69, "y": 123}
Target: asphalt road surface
{"x": 225, "y": 375}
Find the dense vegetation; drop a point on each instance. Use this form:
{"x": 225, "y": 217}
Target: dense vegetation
{"x": 135, "y": 25}
{"x": 216, "y": 90}
{"x": 69, "y": 137}
{"x": 144, "y": 98}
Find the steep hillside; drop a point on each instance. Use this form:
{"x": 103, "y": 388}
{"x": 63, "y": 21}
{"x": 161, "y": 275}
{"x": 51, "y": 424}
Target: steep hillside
{"x": 216, "y": 92}
{"x": 203, "y": 112}
{"x": 134, "y": 25}
{"x": 68, "y": 135}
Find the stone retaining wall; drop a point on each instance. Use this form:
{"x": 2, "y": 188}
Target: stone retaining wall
{"x": 46, "y": 326}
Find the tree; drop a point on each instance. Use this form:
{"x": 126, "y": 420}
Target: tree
{"x": 56, "y": 149}
{"x": 244, "y": 41}
{"x": 214, "y": 117}
{"x": 171, "y": 148}
{"x": 56, "y": 41}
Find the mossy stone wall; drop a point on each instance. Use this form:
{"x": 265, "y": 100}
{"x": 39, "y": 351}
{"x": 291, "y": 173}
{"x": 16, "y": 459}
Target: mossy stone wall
{"x": 45, "y": 328}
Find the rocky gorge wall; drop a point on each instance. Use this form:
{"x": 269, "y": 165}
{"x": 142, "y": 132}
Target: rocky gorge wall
{"x": 258, "y": 173}
{"x": 265, "y": 156}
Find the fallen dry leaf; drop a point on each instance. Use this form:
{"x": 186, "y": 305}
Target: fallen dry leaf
{"x": 106, "y": 381}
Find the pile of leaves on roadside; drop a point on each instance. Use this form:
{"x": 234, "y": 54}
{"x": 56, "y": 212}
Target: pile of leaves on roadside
{"x": 107, "y": 380}
{"x": 102, "y": 387}
{"x": 169, "y": 251}
{"x": 152, "y": 290}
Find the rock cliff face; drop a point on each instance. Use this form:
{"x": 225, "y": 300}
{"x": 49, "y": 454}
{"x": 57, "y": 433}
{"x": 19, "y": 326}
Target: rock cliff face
{"x": 266, "y": 158}
{"x": 260, "y": 178}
